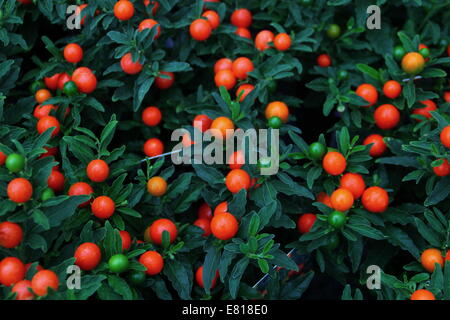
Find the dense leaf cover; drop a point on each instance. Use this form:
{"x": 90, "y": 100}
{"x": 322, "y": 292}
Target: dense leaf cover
{"x": 315, "y": 71}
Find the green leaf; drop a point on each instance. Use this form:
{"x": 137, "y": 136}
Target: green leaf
{"x": 439, "y": 193}
{"x": 253, "y": 227}
{"x": 140, "y": 90}
{"x": 409, "y": 93}
{"x": 210, "y": 266}
{"x": 406, "y": 42}
{"x": 120, "y": 286}
{"x": 371, "y": 72}
{"x": 446, "y": 284}
{"x": 236, "y": 275}
{"x": 367, "y": 231}
{"x": 427, "y": 233}
{"x": 180, "y": 275}
{"x": 108, "y": 133}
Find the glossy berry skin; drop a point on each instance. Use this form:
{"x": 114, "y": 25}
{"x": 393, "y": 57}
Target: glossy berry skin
{"x": 81, "y": 188}
{"x": 43, "y": 280}
{"x": 221, "y": 208}
{"x": 15, "y": 162}
{"x": 118, "y": 263}
{"x": 305, "y": 222}
{"x": 202, "y": 122}
{"x": 425, "y": 111}
{"x": 413, "y": 63}
{"x": 222, "y": 128}
{"x": 204, "y": 211}
{"x": 11, "y": 234}
{"x": 342, "y": 74}
{"x": 282, "y": 41}
{"x": 129, "y": 66}
{"x": 241, "y": 18}
{"x": 153, "y": 147}
{"x": 19, "y": 190}
{"x": 70, "y": 89}
{"x": 274, "y": 122}
{"x": 126, "y": 240}
{"x": 337, "y": 219}
{"x": 73, "y": 53}
{"x": 324, "y": 60}
{"x": 277, "y": 109}
{"x": 97, "y": 170}
{"x": 151, "y": 116}
{"x": 136, "y": 277}
{"x": 153, "y": 261}
{"x": 392, "y": 89}
{"x": 52, "y": 82}
{"x": 158, "y": 227}
{"x": 149, "y": 24}
{"x": 2, "y": 158}
{"x": 241, "y": 66}
{"x": 263, "y": 38}
{"x": 103, "y": 207}
{"x": 445, "y": 137}
{"x": 225, "y": 78}
{"x": 200, "y": 29}
{"x": 447, "y": 96}
{"x": 378, "y": 147}
{"x": 245, "y": 89}
{"x": 430, "y": 257}
{"x": 317, "y": 150}
{"x": 42, "y": 95}
{"x": 223, "y": 64}
{"x": 399, "y": 52}
{"x": 375, "y": 199}
{"x": 199, "y": 278}
{"x": 324, "y": 198}
{"x": 236, "y": 180}
{"x": 47, "y": 194}
{"x": 334, "y": 163}
{"x": 157, "y": 186}
{"x": 354, "y": 183}
{"x": 368, "y": 92}
{"x": 43, "y": 110}
{"x": 85, "y": 80}
{"x": 124, "y": 10}
{"x": 55, "y": 181}
{"x": 224, "y": 226}
{"x": 422, "y": 294}
{"x": 386, "y": 116}
{"x": 46, "y": 123}
{"x": 21, "y": 289}
{"x": 87, "y": 256}
{"x": 165, "y": 83}
{"x": 63, "y": 79}
{"x": 333, "y": 31}
{"x": 243, "y": 32}
{"x": 205, "y": 225}
{"x": 212, "y": 17}
{"x": 342, "y": 199}
{"x": 443, "y": 169}
{"x": 12, "y": 270}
